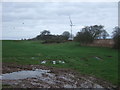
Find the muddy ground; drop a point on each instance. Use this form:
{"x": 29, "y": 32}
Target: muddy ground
{"x": 55, "y": 78}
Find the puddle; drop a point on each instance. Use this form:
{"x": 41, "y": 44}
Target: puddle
{"x": 44, "y": 77}
{"x": 53, "y": 62}
{"x": 43, "y": 62}
{"x": 32, "y": 57}
{"x": 98, "y": 58}
{"x": 24, "y": 74}
{"x": 63, "y": 62}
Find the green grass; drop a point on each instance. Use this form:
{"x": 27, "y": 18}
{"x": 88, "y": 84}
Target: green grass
{"x": 6, "y": 86}
{"x": 80, "y": 58}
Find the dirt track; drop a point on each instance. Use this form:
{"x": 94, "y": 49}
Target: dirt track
{"x": 56, "y": 78}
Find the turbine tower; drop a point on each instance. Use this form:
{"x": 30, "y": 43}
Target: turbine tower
{"x": 71, "y": 25}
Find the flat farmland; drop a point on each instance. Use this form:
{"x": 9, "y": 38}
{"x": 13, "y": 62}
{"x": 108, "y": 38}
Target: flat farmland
{"x": 100, "y": 62}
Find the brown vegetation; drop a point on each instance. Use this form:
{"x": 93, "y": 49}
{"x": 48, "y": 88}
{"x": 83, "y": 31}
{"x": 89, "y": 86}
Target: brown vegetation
{"x": 102, "y": 43}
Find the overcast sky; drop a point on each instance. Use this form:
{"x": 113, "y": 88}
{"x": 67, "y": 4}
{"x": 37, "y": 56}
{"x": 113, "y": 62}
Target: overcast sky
{"x": 27, "y": 20}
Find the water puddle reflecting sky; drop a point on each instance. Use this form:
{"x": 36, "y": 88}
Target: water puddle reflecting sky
{"x": 24, "y": 74}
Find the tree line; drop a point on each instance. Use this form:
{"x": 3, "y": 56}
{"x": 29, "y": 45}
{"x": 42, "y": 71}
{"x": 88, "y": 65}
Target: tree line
{"x": 46, "y": 37}
{"x": 85, "y": 36}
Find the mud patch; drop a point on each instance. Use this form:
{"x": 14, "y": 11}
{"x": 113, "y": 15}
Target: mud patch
{"x": 51, "y": 78}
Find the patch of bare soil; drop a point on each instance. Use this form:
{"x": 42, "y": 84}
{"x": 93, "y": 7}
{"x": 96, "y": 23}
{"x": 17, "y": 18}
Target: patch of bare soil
{"x": 56, "y": 78}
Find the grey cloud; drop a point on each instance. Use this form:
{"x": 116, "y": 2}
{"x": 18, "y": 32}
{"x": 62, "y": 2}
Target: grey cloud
{"x": 54, "y": 16}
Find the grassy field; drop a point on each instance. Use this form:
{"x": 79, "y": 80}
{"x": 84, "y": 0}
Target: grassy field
{"x": 80, "y": 58}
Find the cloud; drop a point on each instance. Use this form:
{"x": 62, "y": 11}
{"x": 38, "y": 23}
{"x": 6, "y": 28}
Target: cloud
{"x": 54, "y": 17}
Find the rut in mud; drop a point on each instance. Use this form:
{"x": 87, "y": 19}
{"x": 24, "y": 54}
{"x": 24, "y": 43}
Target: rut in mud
{"x": 37, "y": 76}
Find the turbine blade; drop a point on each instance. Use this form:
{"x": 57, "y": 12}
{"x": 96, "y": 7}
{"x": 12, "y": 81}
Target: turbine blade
{"x": 70, "y": 21}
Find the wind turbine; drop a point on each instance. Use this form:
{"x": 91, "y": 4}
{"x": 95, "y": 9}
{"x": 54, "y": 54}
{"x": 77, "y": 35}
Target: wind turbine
{"x": 71, "y": 25}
